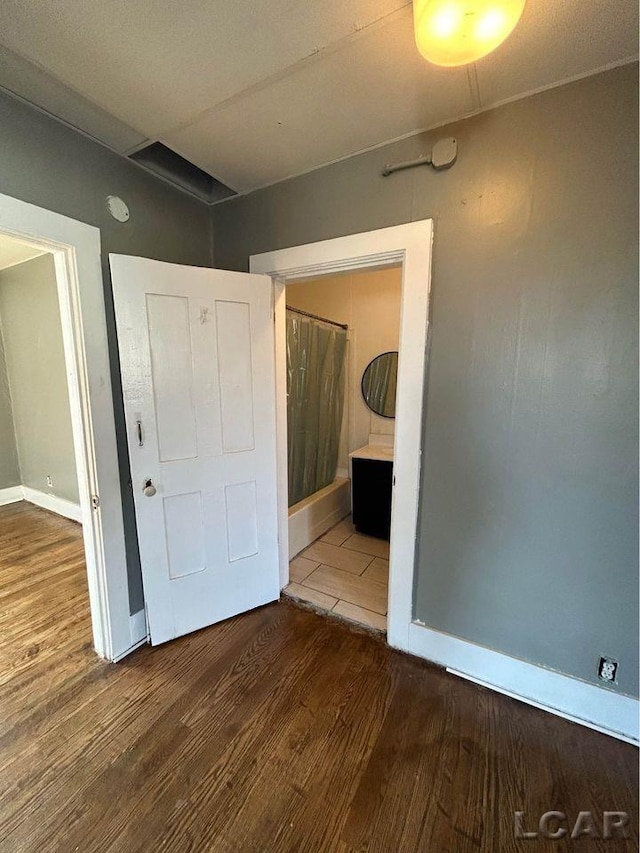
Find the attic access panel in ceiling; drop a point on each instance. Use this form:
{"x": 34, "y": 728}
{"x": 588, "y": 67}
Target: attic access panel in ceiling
{"x": 167, "y": 164}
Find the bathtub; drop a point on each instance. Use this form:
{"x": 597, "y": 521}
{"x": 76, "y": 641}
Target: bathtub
{"x": 313, "y": 516}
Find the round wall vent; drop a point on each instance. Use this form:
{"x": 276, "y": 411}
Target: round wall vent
{"x": 117, "y": 208}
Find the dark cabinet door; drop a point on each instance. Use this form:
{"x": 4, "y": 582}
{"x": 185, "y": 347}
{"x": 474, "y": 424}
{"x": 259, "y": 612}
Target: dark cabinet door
{"x": 372, "y": 482}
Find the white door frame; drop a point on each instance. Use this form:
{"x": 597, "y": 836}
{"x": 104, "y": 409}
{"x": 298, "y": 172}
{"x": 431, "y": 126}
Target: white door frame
{"x": 76, "y": 250}
{"x": 410, "y": 246}
{"x": 585, "y": 703}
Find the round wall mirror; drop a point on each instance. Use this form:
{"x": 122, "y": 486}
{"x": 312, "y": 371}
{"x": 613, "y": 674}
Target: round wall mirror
{"x": 379, "y": 384}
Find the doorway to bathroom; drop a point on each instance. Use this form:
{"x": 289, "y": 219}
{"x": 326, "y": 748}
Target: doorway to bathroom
{"x": 408, "y": 247}
{"x": 342, "y": 340}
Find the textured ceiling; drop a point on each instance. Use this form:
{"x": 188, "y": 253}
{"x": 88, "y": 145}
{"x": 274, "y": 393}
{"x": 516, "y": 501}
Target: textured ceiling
{"x": 255, "y": 91}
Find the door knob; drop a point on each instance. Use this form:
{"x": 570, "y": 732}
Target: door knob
{"x": 149, "y": 489}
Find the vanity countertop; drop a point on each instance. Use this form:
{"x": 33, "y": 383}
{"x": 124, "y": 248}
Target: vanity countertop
{"x": 381, "y": 452}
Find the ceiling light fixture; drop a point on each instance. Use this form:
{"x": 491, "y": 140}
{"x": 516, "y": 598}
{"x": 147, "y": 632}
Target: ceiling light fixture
{"x": 456, "y": 32}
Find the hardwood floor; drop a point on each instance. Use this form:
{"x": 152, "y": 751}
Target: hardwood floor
{"x": 279, "y": 730}
{"x": 44, "y": 605}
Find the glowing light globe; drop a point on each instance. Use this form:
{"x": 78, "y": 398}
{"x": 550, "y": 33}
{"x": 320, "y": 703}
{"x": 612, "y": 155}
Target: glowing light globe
{"x": 456, "y": 32}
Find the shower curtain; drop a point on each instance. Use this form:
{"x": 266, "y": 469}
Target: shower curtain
{"x": 316, "y": 353}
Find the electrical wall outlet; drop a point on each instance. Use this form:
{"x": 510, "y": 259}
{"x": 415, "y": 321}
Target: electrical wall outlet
{"x": 608, "y": 670}
{"x": 49, "y": 481}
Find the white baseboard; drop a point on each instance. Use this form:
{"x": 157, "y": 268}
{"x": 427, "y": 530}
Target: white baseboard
{"x": 53, "y": 503}
{"x": 598, "y": 708}
{"x": 11, "y": 495}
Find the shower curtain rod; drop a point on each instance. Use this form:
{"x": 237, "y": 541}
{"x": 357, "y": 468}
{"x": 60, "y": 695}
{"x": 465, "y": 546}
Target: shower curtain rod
{"x": 316, "y": 317}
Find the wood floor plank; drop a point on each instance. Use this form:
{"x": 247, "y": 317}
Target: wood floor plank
{"x": 393, "y": 772}
{"x": 193, "y": 758}
{"x": 306, "y": 712}
{"x": 279, "y": 730}
{"x": 335, "y": 779}
{"x": 206, "y": 772}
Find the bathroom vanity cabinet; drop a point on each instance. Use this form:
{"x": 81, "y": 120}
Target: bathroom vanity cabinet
{"x": 371, "y": 487}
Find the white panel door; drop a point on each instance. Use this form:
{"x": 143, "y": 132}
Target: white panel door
{"x": 197, "y": 363}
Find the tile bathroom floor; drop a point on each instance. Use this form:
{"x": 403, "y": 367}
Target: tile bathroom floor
{"x": 346, "y": 573}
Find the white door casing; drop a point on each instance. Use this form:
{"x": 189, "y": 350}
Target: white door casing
{"x": 409, "y": 245}
{"x": 76, "y": 251}
{"x": 196, "y": 350}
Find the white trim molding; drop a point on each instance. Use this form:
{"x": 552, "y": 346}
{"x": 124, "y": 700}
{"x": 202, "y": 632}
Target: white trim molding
{"x": 596, "y": 707}
{"x": 53, "y": 503}
{"x": 11, "y": 495}
{"x": 408, "y": 246}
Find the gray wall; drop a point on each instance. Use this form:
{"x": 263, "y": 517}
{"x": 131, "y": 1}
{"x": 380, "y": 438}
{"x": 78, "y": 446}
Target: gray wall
{"x": 45, "y": 163}
{"x": 528, "y": 525}
{"x": 36, "y": 371}
{"x": 9, "y": 469}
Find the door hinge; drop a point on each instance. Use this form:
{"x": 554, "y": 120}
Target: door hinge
{"x": 95, "y": 501}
